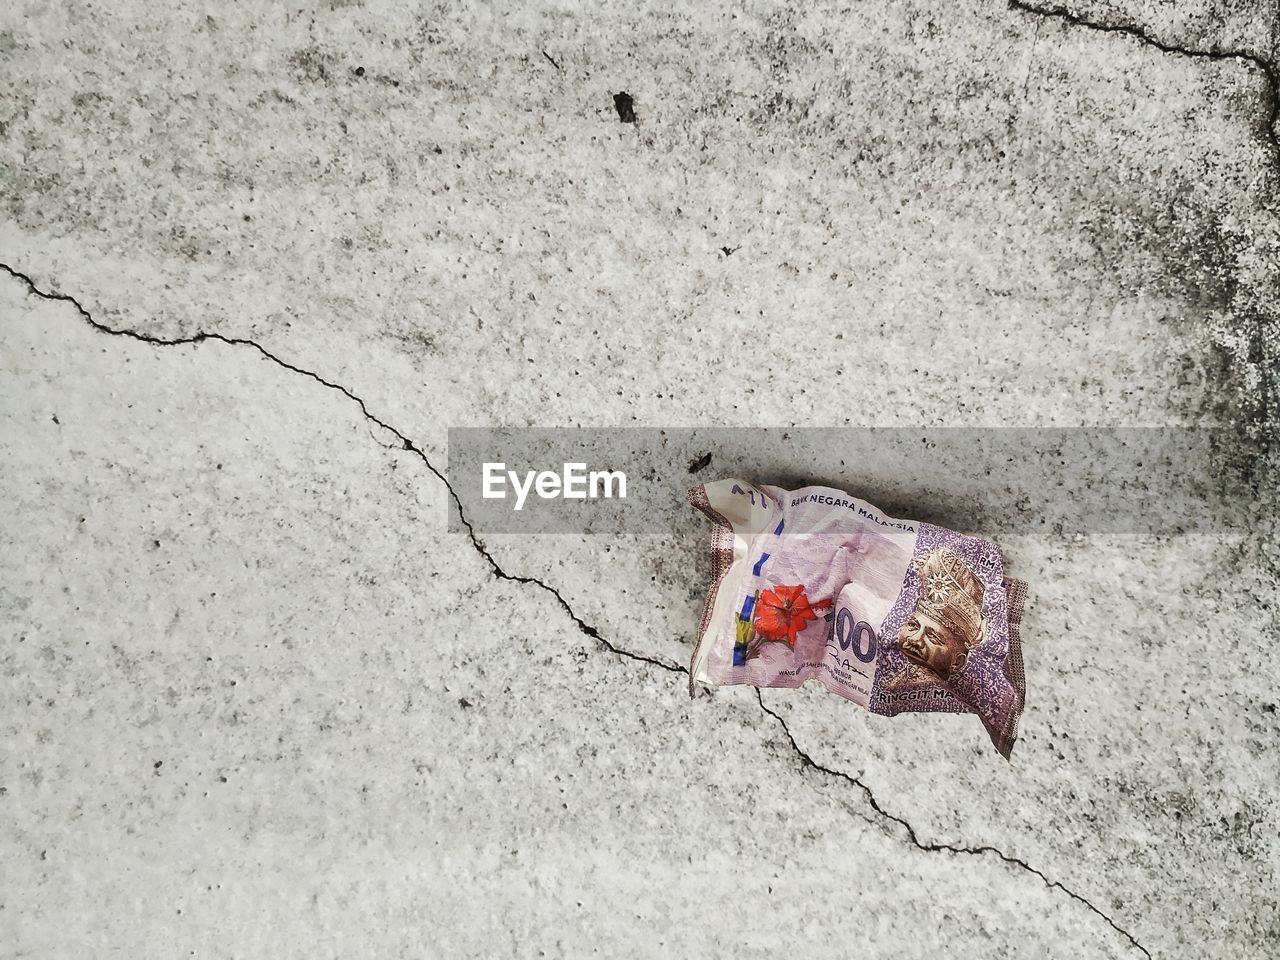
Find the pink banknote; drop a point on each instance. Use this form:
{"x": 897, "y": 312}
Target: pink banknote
{"x": 895, "y": 615}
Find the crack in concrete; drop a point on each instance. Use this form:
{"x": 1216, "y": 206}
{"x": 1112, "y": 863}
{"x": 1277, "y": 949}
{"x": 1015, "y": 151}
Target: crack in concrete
{"x": 408, "y": 445}
{"x": 404, "y": 442}
{"x": 1269, "y": 72}
{"x": 930, "y": 847}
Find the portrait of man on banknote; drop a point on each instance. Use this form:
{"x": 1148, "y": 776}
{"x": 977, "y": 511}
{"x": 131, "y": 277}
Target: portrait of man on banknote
{"x": 946, "y": 624}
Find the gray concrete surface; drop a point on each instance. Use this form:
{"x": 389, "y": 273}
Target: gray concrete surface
{"x": 256, "y": 703}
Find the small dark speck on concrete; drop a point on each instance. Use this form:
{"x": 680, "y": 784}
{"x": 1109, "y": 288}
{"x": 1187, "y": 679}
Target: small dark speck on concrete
{"x": 464, "y": 703}
{"x": 155, "y": 544}
{"x": 222, "y": 779}
{"x": 700, "y": 463}
{"x": 551, "y": 60}
{"x": 157, "y": 765}
{"x": 728, "y": 251}
{"x": 56, "y": 420}
{"x": 359, "y": 71}
{"x": 623, "y": 103}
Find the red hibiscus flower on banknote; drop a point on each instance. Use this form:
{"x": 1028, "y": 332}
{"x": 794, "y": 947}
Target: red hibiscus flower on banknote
{"x": 782, "y": 612}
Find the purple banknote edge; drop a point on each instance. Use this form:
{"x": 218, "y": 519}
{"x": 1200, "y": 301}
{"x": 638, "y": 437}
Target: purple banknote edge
{"x": 721, "y": 561}
{"x": 1016, "y": 592}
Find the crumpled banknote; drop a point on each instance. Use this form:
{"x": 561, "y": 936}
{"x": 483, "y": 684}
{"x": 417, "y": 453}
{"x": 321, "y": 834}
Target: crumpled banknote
{"x": 895, "y": 615}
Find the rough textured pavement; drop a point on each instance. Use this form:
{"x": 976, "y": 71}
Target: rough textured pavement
{"x": 256, "y": 703}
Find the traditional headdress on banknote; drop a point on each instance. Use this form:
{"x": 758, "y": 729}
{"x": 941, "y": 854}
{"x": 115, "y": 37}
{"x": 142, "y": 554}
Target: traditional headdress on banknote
{"x": 952, "y": 595}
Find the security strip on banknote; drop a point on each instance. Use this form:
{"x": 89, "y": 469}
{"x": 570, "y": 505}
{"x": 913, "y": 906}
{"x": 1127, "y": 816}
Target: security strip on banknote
{"x": 895, "y": 615}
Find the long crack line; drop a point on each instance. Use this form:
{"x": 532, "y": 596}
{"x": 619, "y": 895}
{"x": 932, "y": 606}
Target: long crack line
{"x": 929, "y": 846}
{"x": 1269, "y": 72}
{"x": 406, "y": 444}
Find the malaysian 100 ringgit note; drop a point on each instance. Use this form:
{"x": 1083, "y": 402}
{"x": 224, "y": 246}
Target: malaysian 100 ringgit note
{"x": 895, "y": 615}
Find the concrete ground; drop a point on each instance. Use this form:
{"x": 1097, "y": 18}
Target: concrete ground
{"x": 256, "y": 702}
